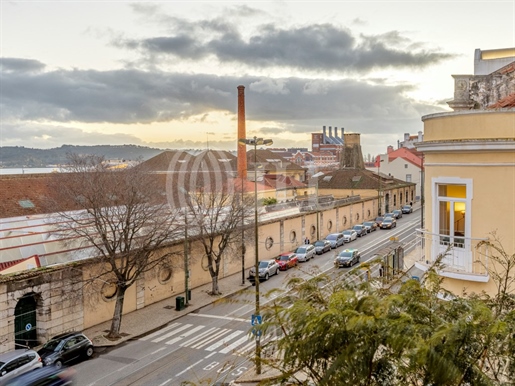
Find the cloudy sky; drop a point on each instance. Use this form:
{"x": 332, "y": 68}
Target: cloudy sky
{"x": 165, "y": 74}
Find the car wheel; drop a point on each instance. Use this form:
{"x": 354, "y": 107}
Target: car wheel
{"x": 266, "y": 276}
{"x": 277, "y": 271}
{"x": 58, "y": 364}
{"x": 89, "y": 352}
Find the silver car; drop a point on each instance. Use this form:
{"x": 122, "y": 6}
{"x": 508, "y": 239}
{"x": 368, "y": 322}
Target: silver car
{"x": 17, "y": 362}
{"x": 305, "y": 252}
{"x": 267, "y": 268}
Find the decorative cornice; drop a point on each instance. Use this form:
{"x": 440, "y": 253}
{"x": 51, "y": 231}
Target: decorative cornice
{"x": 467, "y": 145}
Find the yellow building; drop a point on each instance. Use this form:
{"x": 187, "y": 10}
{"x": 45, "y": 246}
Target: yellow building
{"x": 469, "y": 184}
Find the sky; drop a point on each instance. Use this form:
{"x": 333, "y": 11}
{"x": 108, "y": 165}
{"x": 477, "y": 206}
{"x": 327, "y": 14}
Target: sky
{"x": 165, "y": 74}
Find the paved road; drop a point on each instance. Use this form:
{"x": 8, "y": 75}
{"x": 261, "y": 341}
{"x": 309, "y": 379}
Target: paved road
{"x": 216, "y": 342}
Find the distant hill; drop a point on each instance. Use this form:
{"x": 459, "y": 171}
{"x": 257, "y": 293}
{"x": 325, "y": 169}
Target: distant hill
{"x": 19, "y": 156}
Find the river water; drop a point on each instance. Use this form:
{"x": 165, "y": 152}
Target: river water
{"x": 6, "y": 171}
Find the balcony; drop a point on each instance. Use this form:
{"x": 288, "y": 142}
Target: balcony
{"x": 461, "y": 260}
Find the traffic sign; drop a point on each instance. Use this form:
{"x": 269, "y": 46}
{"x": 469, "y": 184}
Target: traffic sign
{"x": 256, "y": 319}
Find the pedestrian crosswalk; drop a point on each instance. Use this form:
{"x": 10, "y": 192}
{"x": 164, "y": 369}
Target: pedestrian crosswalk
{"x": 213, "y": 339}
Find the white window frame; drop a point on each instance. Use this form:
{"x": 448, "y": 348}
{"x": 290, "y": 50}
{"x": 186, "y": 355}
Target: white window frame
{"x": 468, "y": 182}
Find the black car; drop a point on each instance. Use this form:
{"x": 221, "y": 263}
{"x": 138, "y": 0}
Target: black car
{"x": 370, "y": 226}
{"x": 64, "y": 348}
{"x": 361, "y": 230}
{"x": 397, "y": 213}
{"x": 347, "y": 258}
{"x": 407, "y": 209}
{"x": 322, "y": 246}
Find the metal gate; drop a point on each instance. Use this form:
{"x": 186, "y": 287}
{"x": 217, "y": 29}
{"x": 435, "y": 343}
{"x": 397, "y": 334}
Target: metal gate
{"x": 25, "y": 333}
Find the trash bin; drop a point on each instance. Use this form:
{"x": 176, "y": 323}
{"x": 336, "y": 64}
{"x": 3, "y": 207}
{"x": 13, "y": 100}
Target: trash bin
{"x": 179, "y": 303}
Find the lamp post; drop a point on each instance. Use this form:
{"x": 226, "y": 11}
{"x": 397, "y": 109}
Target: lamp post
{"x": 243, "y": 249}
{"x": 255, "y": 142}
{"x": 186, "y": 246}
{"x": 317, "y": 175}
{"x": 379, "y": 193}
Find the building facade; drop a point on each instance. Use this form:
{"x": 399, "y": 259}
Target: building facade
{"x": 469, "y": 182}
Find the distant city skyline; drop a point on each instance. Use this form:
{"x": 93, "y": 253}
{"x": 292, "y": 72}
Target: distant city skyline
{"x": 164, "y": 74}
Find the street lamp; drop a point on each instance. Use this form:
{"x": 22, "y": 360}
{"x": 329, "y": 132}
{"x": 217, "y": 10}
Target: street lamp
{"x": 255, "y": 142}
{"x": 379, "y": 192}
{"x": 186, "y": 246}
{"x": 319, "y": 174}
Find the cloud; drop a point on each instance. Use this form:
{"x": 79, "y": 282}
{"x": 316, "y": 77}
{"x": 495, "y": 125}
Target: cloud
{"x": 314, "y": 47}
{"x": 270, "y": 86}
{"x": 131, "y": 96}
{"x": 20, "y": 65}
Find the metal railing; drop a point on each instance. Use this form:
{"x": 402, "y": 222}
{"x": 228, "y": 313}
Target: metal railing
{"x": 460, "y": 254}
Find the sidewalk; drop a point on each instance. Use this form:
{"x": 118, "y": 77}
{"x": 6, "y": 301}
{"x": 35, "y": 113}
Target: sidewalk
{"x": 159, "y": 314}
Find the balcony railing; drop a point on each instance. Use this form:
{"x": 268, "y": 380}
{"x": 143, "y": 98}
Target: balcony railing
{"x": 461, "y": 256}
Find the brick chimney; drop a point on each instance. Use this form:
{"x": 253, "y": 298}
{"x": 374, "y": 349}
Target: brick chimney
{"x": 242, "y": 149}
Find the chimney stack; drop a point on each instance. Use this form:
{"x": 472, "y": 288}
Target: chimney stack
{"x": 242, "y": 134}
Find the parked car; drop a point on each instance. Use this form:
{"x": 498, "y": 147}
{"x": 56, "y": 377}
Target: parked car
{"x": 360, "y": 230}
{"x": 389, "y": 214}
{"x": 370, "y": 226}
{"x": 305, "y": 252}
{"x": 350, "y": 235}
{"x": 46, "y": 376}
{"x": 322, "y": 246}
{"x": 347, "y": 258}
{"x": 287, "y": 260}
{"x": 407, "y": 209}
{"x": 397, "y": 213}
{"x": 17, "y": 362}
{"x": 65, "y": 348}
{"x": 379, "y": 221}
{"x": 266, "y": 268}
{"x": 389, "y": 223}
{"x": 336, "y": 240}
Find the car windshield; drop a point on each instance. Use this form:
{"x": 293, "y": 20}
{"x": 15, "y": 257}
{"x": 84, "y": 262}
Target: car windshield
{"x": 345, "y": 254}
{"x": 51, "y": 345}
{"x": 331, "y": 237}
{"x": 406, "y": 206}
{"x": 284, "y": 258}
{"x": 301, "y": 250}
{"x": 319, "y": 244}
{"x": 388, "y": 219}
{"x": 347, "y": 233}
{"x": 357, "y": 226}
{"x": 263, "y": 264}
{"x": 379, "y": 219}
{"x": 367, "y": 224}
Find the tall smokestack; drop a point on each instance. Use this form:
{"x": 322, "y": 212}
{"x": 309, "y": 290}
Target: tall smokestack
{"x": 242, "y": 134}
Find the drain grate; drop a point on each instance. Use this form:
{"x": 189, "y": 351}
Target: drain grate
{"x": 169, "y": 307}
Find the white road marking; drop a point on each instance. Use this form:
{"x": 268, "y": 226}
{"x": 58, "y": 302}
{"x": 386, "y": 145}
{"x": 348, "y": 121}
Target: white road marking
{"x": 189, "y": 368}
{"x": 233, "y": 345}
{"x": 176, "y": 331}
{"x": 224, "y": 340}
{"x": 188, "y": 333}
{"x": 159, "y": 332}
{"x": 220, "y": 317}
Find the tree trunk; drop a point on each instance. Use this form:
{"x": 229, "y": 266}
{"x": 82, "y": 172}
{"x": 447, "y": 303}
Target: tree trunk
{"x": 215, "y": 290}
{"x": 116, "y": 322}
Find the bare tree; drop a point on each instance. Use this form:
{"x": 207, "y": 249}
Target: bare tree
{"x": 219, "y": 215}
{"x": 122, "y": 217}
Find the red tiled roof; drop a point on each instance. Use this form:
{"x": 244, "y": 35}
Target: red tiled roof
{"x": 505, "y": 102}
{"x": 8, "y": 264}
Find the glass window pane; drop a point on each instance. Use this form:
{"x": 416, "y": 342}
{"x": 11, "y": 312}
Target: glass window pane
{"x": 445, "y": 217}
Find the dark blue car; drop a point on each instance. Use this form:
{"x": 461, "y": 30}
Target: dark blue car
{"x": 48, "y": 376}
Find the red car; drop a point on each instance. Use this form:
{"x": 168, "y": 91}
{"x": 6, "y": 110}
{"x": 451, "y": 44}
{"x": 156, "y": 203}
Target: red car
{"x": 287, "y": 260}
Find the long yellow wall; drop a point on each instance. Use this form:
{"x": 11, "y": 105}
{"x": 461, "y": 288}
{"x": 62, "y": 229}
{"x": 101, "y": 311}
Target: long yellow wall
{"x": 153, "y": 288}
